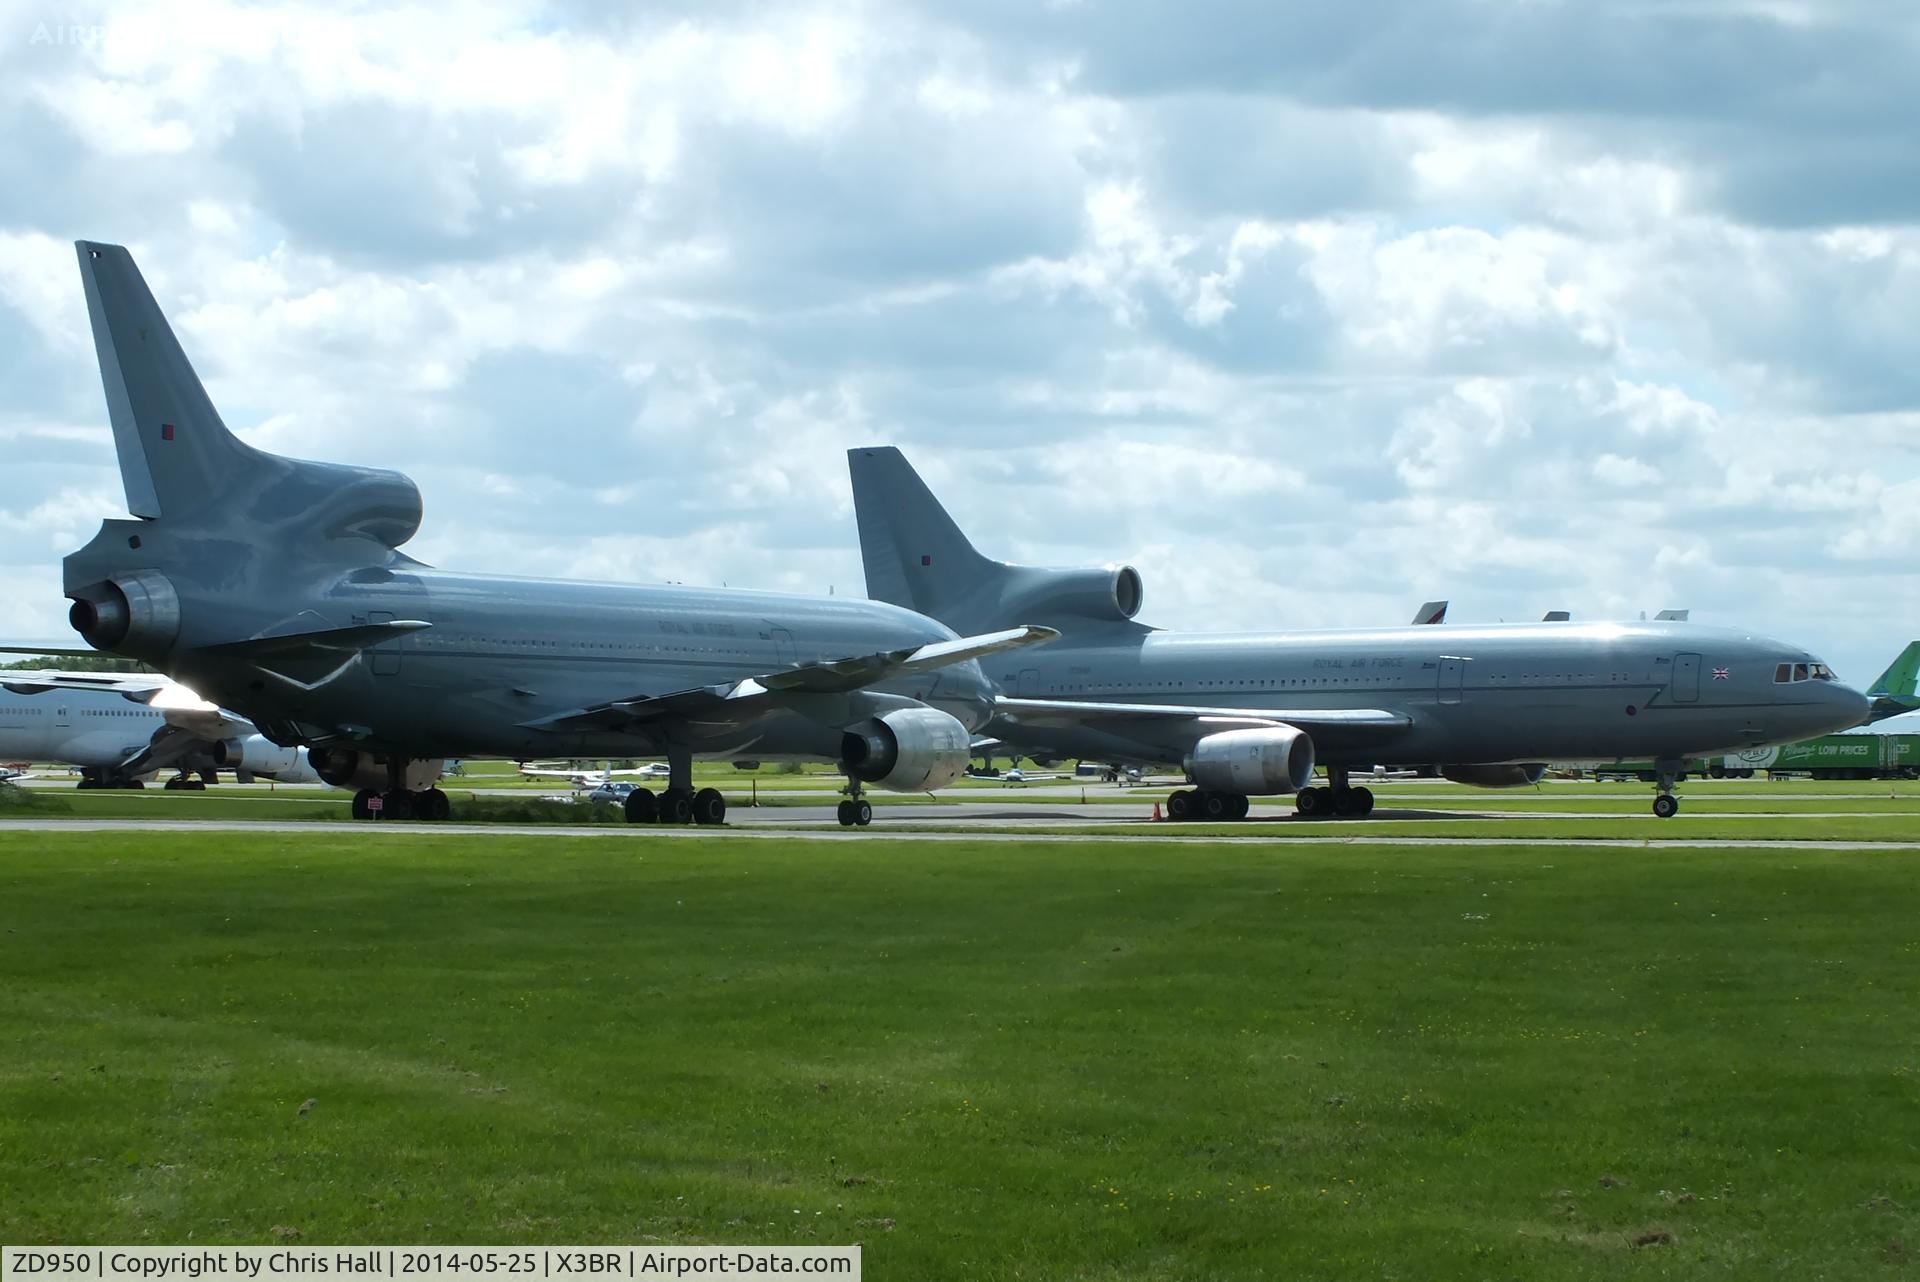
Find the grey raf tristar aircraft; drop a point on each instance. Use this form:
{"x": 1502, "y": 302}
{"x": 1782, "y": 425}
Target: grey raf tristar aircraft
{"x": 1250, "y": 713}
{"x": 275, "y": 587}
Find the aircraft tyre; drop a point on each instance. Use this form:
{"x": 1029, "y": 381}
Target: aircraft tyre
{"x": 432, "y": 805}
{"x": 642, "y": 807}
{"x": 862, "y": 812}
{"x": 1313, "y": 803}
{"x": 1216, "y": 806}
{"x": 1346, "y": 804}
{"x": 676, "y": 806}
{"x": 397, "y": 804}
{"x": 1242, "y": 807}
{"x": 1363, "y": 798}
{"x": 1666, "y": 805}
{"x": 709, "y": 807}
{"x": 1180, "y": 806}
{"x": 845, "y": 814}
{"x": 360, "y": 799}
{"x": 174, "y": 785}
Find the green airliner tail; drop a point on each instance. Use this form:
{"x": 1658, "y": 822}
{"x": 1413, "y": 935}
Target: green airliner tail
{"x": 1893, "y": 691}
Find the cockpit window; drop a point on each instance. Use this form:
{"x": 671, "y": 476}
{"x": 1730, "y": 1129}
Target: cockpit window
{"x": 1799, "y": 672}
{"x": 1802, "y": 672}
{"x": 1821, "y": 672}
{"x": 1783, "y": 674}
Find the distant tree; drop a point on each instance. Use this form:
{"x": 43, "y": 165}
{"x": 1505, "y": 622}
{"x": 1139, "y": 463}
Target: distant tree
{"x": 77, "y": 663}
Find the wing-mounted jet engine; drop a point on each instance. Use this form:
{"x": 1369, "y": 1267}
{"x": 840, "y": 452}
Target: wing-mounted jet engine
{"x": 277, "y": 587}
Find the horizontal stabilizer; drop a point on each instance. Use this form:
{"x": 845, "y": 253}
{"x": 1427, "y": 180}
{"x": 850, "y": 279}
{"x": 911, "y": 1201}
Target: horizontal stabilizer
{"x": 1673, "y": 616}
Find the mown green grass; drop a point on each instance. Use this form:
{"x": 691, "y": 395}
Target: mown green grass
{"x": 982, "y": 1060}
{"x": 1812, "y": 828}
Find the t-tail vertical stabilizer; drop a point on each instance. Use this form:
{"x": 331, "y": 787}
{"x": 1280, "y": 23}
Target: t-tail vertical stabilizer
{"x": 917, "y": 557}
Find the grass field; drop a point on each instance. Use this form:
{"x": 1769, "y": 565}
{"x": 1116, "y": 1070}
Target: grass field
{"x": 1113, "y": 1060}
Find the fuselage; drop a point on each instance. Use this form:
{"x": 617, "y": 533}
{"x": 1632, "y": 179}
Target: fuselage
{"x": 1494, "y": 693}
{"x": 504, "y": 654}
{"x": 89, "y": 728}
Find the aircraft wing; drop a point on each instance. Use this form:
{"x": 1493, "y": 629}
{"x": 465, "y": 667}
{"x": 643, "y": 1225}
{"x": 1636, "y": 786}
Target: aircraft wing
{"x": 1182, "y": 724}
{"x": 140, "y": 687}
{"x": 832, "y": 676}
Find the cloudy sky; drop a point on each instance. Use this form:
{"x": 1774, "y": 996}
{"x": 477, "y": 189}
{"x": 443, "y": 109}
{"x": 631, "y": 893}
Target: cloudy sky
{"x": 1311, "y": 311}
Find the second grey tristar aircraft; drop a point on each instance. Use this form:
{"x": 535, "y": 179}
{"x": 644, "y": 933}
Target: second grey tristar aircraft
{"x": 1250, "y": 713}
{"x": 276, "y": 587}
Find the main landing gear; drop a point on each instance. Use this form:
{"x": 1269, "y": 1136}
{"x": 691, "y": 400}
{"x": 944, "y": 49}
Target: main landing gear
{"x": 856, "y": 811}
{"x": 1337, "y": 798}
{"x": 677, "y": 803}
{"x": 1206, "y": 804}
{"x": 429, "y": 805}
{"x": 1665, "y": 804}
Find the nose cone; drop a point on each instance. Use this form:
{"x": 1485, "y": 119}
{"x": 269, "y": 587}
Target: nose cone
{"x": 1848, "y": 706}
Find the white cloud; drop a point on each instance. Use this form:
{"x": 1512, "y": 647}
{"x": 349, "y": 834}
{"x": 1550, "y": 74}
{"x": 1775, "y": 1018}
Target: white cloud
{"x": 1310, "y": 323}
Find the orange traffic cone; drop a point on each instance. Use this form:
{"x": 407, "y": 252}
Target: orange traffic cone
{"x": 1156, "y": 812}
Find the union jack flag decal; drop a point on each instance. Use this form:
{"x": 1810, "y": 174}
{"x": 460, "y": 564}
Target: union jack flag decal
{"x": 1721, "y": 674}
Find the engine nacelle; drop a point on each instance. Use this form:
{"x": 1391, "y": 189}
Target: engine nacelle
{"x": 1496, "y": 776}
{"x": 357, "y": 769}
{"x": 256, "y": 754}
{"x": 1112, "y": 593}
{"x": 907, "y": 750}
{"x": 1255, "y": 762}
{"x": 138, "y": 613}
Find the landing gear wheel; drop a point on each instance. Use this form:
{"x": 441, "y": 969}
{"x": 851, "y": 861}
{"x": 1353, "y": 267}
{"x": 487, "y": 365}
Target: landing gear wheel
{"x": 676, "y": 806}
{"x": 1242, "y": 807}
{"x": 174, "y": 785}
{"x": 709, "y": 807}
{"x": 397, "y": 804}
{"x": 847, "y": 814}
{"x": 1215, "y": 806}
{"x": 1666, "y": 805}
{"x": 642, "y": 807}
{"x": 1363, "y": 798}
{"x": 433, "y": 805}
{"x": 1180, "y": 806}
{"x": 1312, "y": 803}
{"x": 360, "y": 808}
{"x": 1346, "y": 804}
{"x": 195, "y": 785}
{"x": 862, "y": 812}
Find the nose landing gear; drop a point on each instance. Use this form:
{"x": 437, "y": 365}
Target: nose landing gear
{"x": 1665, "y": 804}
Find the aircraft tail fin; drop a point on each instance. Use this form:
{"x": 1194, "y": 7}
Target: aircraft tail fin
{"x": 916, "y": 557}
{"x": 175, "y": 453}
{"x": 914, "y": 554}
{"x": 1900, "y": 679}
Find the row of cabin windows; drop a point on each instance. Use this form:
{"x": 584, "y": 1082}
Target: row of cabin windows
{"x": 18, "y": 711}
{"x": 1790, "y": 672}
{"x": 1296, "y": 683}
{"x": 449, "y": 640}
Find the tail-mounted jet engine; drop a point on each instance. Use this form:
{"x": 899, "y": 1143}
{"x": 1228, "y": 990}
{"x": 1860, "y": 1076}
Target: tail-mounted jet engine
{"x": 138, "y": 613}
{"x": 1254, "y": 762}
{"x": 907, "y": 750}
{"x": 1112, "y": 593}
{"x": 1496, "y": 776}
{"x": 357, "y": 769}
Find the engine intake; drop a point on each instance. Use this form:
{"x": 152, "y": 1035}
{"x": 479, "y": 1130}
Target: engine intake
{"x": 907, "y": 750}
{"x": 138, "y": 613}
{"x": 1254, "y": 762}
{"x": 1496, "y": 776}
